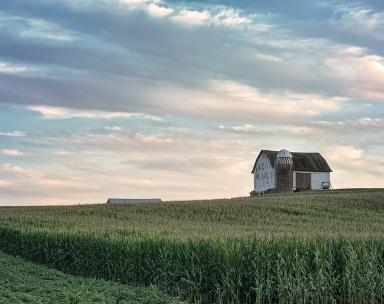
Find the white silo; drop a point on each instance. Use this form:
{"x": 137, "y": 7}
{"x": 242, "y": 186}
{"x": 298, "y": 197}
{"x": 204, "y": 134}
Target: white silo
{"x": 283, "y": 166}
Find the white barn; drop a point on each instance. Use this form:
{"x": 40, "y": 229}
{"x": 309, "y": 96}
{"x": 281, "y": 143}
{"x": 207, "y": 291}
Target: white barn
{"x": 284, "y": 171}
{"x": 132, "y": 201}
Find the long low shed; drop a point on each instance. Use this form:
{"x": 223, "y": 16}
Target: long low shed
{"x": 131, "y": 201}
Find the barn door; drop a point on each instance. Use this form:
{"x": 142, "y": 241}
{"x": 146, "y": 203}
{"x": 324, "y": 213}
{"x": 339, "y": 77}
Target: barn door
{"x": 303, "y": 181}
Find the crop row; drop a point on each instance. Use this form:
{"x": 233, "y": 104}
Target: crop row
{"x": 283, "y": 270}
{"x": 23, "y": 282}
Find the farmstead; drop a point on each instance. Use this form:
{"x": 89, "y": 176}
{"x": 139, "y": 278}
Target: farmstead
{"x": 284, "y": 171}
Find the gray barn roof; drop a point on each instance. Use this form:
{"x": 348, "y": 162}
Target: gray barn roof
{"x": 129, "y": 201}
{"x": 301, "y": 161}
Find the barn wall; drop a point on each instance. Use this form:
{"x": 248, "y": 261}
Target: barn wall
{"x": 317, "y": 178}
{"x": 264, "y": 175}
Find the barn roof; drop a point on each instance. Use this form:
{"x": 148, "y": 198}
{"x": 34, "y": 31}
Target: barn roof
{"x": 302, "y": 161}
{"x": 129, "y": 201}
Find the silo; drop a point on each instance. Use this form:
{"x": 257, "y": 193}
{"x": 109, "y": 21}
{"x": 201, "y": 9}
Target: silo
{"x": 284, "y": 173}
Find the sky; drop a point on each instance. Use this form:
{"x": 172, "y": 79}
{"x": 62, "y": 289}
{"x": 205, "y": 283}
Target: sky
{"x": 175, "y": 99}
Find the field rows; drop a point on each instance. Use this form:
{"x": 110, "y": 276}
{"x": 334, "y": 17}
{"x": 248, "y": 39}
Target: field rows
{"x": 25, "y": 282}
{"x": 316, "y": 247}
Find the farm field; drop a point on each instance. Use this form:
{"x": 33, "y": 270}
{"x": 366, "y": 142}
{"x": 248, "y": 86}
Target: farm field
{"x": 349, "y": 213}
{"x": 319, "y": 247}
{"x": 25, "y": 282}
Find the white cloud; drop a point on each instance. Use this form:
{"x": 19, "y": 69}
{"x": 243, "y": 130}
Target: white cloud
{"x": 224, "y": 17}
{"x": 152, "y": 7}
{"x": 158, "y": 11}
{"x": 369, "y": 122}
{"x": 113, "y": 128}
{"x": 5, "y": 184}
{"x": 7, "y": 68}
{"x": 227, "y": 99}
{"x": 13, "y": 134}
{"x": 264, "y": 73}
{"x": 361, "y": 73}
{"x": 50, "y": 112}
{"x": 267, "y": 57}
{"x": 191, "y": 17}
{"x": 135, "y": 3}
{"x": 187, "y": 170}
{"x": 244, "y": 128}
{"x": 230, "y": 17}
{"x": 359, "y": 124}
{"x": 62, "y": 152}
{"x": 237, "y": 97}
{"x": 346, "y": 153}
{"x": 43, "y": 29}
{"x": 12, "y": 152}
{"x": 21, "y": 172}
{"x": 350, "y": 160}
{"x": 37, "y": 28}
{"x": 271, "y": 130}
{"x": 362, "y": 19}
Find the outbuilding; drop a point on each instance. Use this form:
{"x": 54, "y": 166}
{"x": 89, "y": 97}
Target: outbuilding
{"x": 285, "y": 171}
{"x": 132, "y": 201}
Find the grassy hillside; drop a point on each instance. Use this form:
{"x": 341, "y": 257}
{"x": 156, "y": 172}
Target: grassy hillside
{"x": 307, "y": 247}
{"x": 25, "y": 282}
{"x": 349, "y": 213}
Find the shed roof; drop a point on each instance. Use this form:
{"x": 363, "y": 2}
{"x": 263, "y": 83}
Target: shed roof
{"x": 129, "y": 201}
{"x": 302, "y": 161}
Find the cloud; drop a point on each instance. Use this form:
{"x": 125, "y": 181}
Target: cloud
{"x": 362, "y": 20}
{"x": 231, "y": 79}
{"x": 270, "y": 130}
{"x": 231, "y": 17}
{"x": 158, "y": 11}
{"x": 37, "y": 28}
{"x": 49, "y": 112}
{"x": 12, "y": 152}
{"x": 173, "y": 165}
{"x": 192, "y": 17}
{"x": 345, "y": 153}
{"x": 62, "y": 152}
{"x": 369, "y": 122}
{"x": 268, "y": 57}
{"x": 21, "y": 172}
{"x": 224, "y": 17}
{"x": 13, "y": 134}
{"x": 152, "y": 7}
{"x": 115, "y": 70}
{"x": 42, "y": 29}
{"x": 12, "y": 69}
{"x": 113, "y": 128}
{"x": 363, "y": 72}
{"x": 247, "y": 101}
{"x": 353, "y": 160}
{"x": 5, "y": 184}
{"x": 359, "y": 124}
{"x": 196, "y": 166}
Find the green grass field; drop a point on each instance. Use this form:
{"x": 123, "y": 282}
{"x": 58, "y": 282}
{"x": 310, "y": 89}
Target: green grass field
{"x": 25, "y": 282}
{"x": 319, "y": 247}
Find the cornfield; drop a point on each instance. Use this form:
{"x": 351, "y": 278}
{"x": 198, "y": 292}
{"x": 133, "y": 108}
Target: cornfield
{"x": 322, "y": 247}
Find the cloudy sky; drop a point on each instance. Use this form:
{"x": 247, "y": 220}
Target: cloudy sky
{"x": 150, "y": 98}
